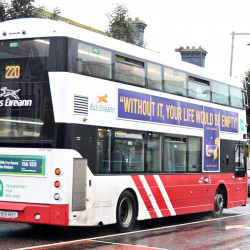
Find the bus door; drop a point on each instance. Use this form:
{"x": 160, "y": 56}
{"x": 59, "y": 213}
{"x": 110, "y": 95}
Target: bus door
{"x": 240, "y": 161}
{"x": 238, "y": 187}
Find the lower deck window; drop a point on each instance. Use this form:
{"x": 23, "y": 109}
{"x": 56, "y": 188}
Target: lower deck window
{"x": 175, "y": 151}
{"x": 121, "y": 151}
{"x": 128, "y": 152}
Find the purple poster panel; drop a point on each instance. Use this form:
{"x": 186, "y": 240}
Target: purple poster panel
{"x": 229, "y": 121}
{"x": 211, "y": 139}
{"x": 143, "y": 107}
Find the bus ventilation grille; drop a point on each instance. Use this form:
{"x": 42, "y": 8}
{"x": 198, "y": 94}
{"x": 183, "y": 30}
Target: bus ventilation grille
{"x": 81, "y": 105}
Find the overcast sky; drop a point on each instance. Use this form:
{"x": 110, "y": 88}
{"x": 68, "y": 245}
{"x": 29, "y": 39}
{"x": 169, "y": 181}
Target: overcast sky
{"x": 174, "y": 23}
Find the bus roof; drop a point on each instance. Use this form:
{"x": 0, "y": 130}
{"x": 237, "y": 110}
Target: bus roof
{"x": 40, "y": 27}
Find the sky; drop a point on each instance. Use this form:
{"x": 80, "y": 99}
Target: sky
{"x": 175, "y": 23}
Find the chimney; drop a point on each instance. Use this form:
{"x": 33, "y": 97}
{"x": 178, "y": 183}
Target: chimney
{"x": 140, "y": 25}
{"x": 194, "y": 55}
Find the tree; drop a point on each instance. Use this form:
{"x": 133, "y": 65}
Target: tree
{"x": 55, "y": 13}
{"x": 120, "y": 26}
{"x": 20, "y": 8}
{"x": 24, "y": 8}
{"x": 3, "y": 10}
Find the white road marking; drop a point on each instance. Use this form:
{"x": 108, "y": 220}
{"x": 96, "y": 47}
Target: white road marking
{"x": 132, "y": 232}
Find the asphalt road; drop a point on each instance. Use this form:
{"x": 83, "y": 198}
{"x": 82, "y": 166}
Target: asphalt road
{"x": 196, "y": 231}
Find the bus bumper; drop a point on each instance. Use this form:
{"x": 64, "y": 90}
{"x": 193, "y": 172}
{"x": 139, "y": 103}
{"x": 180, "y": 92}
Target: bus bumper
{"x": 35, "y": 213}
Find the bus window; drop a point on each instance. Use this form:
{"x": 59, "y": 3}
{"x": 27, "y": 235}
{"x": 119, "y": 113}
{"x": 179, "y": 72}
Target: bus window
{"x": 154, "y": 146}
{"x": 24, "y": 48}
{"x": 94, "y": 61}
{"x": 154, "y": 76}
{"x": 194, "y": 154}
{"x": 198, "y": 88}
{"x": 236, "y": 97}
{"x": 175, "y": 82}
{"x": 220, "y": 93}
{"x": 103, "y": 150}
{"x": 129, "y": 70}
{"x": 174, "y": 155}
{"x": 128, "y": 152}
{"x": 240, "y": 168}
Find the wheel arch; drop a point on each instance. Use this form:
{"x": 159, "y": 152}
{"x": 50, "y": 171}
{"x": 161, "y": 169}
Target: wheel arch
{"x": 131, "y": 190}
{"x": 223, "y": 189}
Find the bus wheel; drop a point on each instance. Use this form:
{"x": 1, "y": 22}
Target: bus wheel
{"x": 126, "y": 212}
{"x": 218, "y": 203}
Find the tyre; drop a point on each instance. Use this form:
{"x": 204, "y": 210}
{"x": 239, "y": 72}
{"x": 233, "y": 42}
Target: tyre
{"x": 248, "y": 190}
{"x": 126, "y": 212}
{"x": 218, "y": 203}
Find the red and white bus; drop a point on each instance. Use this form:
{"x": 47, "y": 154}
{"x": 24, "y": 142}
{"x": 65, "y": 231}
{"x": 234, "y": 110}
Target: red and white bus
{"x": 95, "y": 131}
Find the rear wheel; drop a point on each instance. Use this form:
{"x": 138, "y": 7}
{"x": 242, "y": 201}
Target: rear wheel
{"x": 126, "y": 211}
{"x": 248, "y": 190}
{"x": 218, "y": 203}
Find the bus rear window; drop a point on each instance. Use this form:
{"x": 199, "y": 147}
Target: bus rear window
{"x": 24, "y": 48}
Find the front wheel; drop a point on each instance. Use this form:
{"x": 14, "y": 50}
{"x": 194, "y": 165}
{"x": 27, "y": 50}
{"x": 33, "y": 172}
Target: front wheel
{"x": 126, "y": 211}
{"x": 218, "y": 203}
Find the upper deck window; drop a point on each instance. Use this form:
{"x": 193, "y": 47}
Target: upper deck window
{"x": 175, "y": 82}
{"x": 24, "y": 48}
{"x": 154, "y": 76}
{"x": 236, "y": 97}
{"x": 94, "y": 61}
{"x": 220, "y": 93}
{"x": 198, "y": 88}
{"x": 129, "y": 70}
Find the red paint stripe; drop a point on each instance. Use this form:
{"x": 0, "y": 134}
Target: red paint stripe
{"x": 144, "y": 196}
{"x": 158, "y": 195}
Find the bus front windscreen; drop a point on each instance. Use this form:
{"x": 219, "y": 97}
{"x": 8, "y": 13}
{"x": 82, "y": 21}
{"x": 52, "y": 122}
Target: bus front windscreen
{"x": 25, "y": 100}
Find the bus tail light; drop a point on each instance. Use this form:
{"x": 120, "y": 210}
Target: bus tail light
{"x": 57, "y": 184}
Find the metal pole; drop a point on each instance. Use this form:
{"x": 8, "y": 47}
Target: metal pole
{"x": 232, "y": 48}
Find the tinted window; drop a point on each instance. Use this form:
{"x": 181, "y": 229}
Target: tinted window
{"x": 174, "y": 154}
{"x": 220, "y": 93}
{"x": 194, "y": 154}
{"x": 129, "y": 70}
{"x": 236, "y": 97}
{"x": 128, "y": 152}
{"x": 198, "y": 89}
{"x": 154, "y": 76}
{"x": 174, "y": 82}
{"x": 24, "y": 48}
{"x": 154, "y": 153}
{"x": 103, "y": 150}
{"x": 94, "y": 61}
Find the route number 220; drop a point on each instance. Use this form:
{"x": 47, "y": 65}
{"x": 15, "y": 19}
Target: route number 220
{"x": 12, "y": 72}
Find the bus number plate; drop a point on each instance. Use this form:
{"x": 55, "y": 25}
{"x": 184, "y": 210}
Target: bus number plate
{"x": 8, "y": 215}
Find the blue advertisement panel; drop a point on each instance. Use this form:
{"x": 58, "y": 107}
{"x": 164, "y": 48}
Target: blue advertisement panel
{"x": 211, "y": 140}
{"x": 143, "y": 107}
{"x": 22, "y": 165}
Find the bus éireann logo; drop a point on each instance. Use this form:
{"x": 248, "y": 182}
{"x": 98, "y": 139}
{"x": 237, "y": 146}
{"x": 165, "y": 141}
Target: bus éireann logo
{"x": 102, "y": 98}
{"x": 9, "y": 92}
{"x": 12, "y": 98}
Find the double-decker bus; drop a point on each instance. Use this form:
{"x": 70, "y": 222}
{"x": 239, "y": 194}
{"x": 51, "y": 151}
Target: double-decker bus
{"x": 95, "y": 131}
